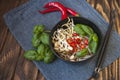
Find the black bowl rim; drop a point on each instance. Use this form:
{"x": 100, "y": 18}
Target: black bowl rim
{"x": 98, "y": 33}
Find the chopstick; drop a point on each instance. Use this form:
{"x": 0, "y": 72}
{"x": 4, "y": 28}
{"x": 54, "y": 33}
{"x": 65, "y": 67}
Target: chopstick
{"x": 103, "y": 47}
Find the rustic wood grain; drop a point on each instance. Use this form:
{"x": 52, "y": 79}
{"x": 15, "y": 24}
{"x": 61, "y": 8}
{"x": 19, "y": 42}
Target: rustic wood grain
{"x": 112, "y": 72}
{"x": 13, "y": 66}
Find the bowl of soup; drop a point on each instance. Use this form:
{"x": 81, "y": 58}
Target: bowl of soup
{"x": 75, "y": 39}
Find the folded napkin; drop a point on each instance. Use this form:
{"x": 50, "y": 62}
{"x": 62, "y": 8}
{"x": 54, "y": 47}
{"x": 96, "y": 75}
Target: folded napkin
{"x": 21, "y": 21}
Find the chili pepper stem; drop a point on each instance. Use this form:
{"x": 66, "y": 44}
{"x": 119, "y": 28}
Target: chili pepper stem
{"x": 77, "y": 15}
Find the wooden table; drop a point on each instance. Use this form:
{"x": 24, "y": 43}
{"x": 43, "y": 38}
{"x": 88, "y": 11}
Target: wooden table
{"x": 13, "y": 66}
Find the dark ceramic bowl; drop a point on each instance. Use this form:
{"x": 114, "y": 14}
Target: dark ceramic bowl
{"x": 76, "y": 20}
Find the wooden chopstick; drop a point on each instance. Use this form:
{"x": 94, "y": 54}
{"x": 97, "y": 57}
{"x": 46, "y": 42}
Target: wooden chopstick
{"x": 104, "y": 45}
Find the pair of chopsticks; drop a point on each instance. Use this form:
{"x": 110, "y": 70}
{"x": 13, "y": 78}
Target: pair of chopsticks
{"x": 103, "y": 47}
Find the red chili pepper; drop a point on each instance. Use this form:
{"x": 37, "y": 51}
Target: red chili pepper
{"x": 72, "y": 42}
{"x": 73, "y": 45}
{"x": 86, "y": 41}
{"x": 59, "y": 6}
{"x": 75, "y": 34}
{"x": 75, "y": 49}
{"x": 78, "y": 40}
{"x": 82, "y": 46}
{"x": 69, "y": 40}
{"x": 74, "y": 13}
{"x": 52, "y": 9}
{"x": 49, "y": 10}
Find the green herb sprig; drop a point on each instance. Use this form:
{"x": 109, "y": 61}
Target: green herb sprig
{"x": 40, "y": 42}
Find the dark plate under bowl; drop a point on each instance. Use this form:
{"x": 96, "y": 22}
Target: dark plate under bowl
{"x": 76, "y": 20}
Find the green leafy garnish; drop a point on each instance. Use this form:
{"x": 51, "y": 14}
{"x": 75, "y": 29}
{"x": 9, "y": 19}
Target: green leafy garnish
{"x": 30, "y": 54}
{"x": 95, "y": 37}
{"x": 93, "y": 46}
{"x": 38, "y": 29}
{"x": 87, "y": 29}
{"x": 44, "y": 38}
{"x": 82, "y": 52}
{"x": 40, "y": 42}
{"x": 78, "y": 29}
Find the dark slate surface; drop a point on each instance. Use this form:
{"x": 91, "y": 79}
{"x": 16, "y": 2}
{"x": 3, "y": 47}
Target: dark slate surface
{"x": 21, "y": 21}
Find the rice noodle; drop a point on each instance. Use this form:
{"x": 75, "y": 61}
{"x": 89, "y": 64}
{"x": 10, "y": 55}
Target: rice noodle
{"x": 60, "y": 36}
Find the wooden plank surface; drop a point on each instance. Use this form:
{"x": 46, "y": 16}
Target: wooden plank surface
{"x": 13, "y": 66}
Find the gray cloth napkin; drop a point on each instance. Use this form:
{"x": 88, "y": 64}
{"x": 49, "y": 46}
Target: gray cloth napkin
{"x": 21, "y": 21}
